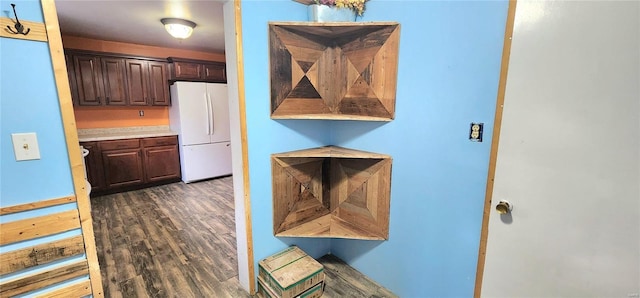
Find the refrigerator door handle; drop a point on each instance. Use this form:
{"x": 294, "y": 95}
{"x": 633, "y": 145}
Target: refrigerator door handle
{"x": 213, "y": 114}
{"x": 206, "y": 102}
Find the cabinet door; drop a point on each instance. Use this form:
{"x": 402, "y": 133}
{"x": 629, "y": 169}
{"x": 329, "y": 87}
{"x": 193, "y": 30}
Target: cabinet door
{"x": 186, "y": 70}
{"x": 161, "y": 163}
{"x": 71, "y": 74}
{"x": 88, "y": 80}
{"x": 137, "y": 88}
{"x": 93, "y": 164}
{"x": 215, "y": 72}
{"x": 158, "y": 84}
{"x": 113, "y": 71}
{"x": 123, "y": 168}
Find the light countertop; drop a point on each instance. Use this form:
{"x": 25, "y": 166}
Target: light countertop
{"x": 104, "y": 134}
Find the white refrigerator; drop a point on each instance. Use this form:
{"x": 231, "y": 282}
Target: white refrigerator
{"x": 199, "y": 112}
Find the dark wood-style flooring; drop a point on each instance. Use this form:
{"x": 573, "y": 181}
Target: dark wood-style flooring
{"x": 178, "y": 240}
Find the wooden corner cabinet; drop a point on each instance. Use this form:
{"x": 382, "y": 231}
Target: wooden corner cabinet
{"x": 331, "y": 192}
{"x": 100, "y": 79}
{"x": 336, "y": 71}
{"x": 127, "y": 164}
{"x": 197, "y": 70}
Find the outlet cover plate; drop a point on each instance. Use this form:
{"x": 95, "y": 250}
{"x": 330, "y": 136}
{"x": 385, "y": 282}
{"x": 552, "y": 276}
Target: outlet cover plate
{"x": 25, "y": 146}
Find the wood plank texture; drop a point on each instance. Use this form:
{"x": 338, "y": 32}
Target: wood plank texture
{"x": 24, "y": 229}
{"x": 42, "y": 279}
{"x": 79, "y": 289}
{"x": 178, "y": 240}
{"x": 36, "y": 205}
{"x": 244, "y": 144}
{"x": 331, "y": 192}
{"x": 71, "y": 137}
{"x": 40, "y": 254}
{"x": 343, "y": 280}
{"x": 37, "y": 33}
{"x": 339, "y": 71}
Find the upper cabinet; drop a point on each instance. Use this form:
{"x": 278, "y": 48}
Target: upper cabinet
{"x": 197, "y": 70}
{"x": 107, "y": 79}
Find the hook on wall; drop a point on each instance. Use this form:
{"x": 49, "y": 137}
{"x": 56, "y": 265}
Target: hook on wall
{"x": 19, "y": 27}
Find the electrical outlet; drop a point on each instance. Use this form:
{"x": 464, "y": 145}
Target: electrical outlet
{"x": 25, "y": 146}
{"x": 475, "y": 132}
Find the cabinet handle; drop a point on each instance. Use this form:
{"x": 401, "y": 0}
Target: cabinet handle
{"x": 99, "y": 100}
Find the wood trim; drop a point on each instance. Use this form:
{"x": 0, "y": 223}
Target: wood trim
{"x": 97, "y": 45}
{"x": 504, "y": 69}
{"x": 71, "y": 137}
{"x": 36, "y": 205}
{"x": 42, "y": 279}
{"x": 244, "y": 143}
{"x": 30, "y": 228}
{"x": 80, "y": 289}
{"x": 40, "y": 254}
{"x": 37, "y": 33}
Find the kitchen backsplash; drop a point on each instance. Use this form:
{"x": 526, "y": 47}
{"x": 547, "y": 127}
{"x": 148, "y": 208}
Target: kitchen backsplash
{"x": 110, "y": 117}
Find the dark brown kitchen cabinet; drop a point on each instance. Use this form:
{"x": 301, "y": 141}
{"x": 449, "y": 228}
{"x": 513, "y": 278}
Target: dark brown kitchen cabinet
{"x": 119, "y": 165}
{"x": 161, "y": 159}
{"x": 117, "y": 80}
{"x": 72, "y": 79}
{"x": 197, "y": 70}
{"x": 114, "y": 81}
{"x": 122, "y": 168}
{"x": 93, "y": 163}
{"x": 88, "y": 75}
{"x": 147, "y": 82}
{"x": 158, "y": 84}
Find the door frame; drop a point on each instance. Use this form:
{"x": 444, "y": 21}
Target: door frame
{"x": 493, "y": 155}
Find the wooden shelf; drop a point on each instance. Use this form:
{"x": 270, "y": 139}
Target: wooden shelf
{"x": 331, "y": 192}
{"x": 337, "y": 71}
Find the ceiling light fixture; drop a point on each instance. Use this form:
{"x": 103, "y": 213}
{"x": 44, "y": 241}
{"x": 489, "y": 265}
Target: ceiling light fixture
{"x": 178, "y": 28}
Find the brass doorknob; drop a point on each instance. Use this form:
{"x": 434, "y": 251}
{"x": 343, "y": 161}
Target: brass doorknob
{"x": 504, "y": 207}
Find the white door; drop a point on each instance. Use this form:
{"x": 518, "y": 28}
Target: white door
{"x": 219, "y": 101}
{"x": 189, "y": 113}
{"x": 568, "y": 157}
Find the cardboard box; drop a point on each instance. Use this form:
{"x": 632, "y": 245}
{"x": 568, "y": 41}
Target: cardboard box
{"x": 290, "y": 272}
{"x": 264, "y": 291}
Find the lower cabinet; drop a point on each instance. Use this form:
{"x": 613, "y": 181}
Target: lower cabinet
{"x": 119, "y": 165}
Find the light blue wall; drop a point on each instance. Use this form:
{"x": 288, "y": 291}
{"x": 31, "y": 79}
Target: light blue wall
{"x": 266, "y": 136}
{"x": 448, "y": 75}
{"x": 29, "y": 103}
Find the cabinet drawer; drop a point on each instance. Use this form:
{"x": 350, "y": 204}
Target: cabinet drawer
{"x": 120, "y": 144}
{"x": 159, "y": 141}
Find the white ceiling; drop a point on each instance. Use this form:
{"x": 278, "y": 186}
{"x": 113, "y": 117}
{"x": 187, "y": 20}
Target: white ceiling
{"x": 138, "y": 21}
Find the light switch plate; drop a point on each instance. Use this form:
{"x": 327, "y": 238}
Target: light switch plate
{"x": 25, "y": 146}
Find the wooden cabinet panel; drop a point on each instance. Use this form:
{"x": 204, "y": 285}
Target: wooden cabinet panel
{"x": 197, "y": 70}
{"x": 158, "y": 84}
{"x": 114, "y": 81}
{"x": 185, "y": 70}
{"x": 161, "y": 163}
{"x": 88, "y": 80}
{"x": 120, "y": 144}
{"x": 122, "y": 168}
{"x": 93, "y": 163}
{"x": 126, "y": 164}
{"x": 137, "y": 81}
{"x": 215, "y": 72}
{"x": 159, "y": 141}
{"x": 73, "y": 85}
